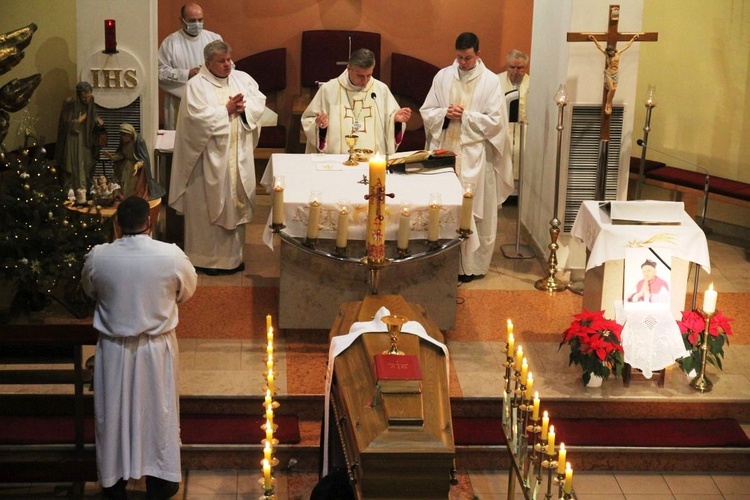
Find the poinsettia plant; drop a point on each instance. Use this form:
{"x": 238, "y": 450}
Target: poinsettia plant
{"x": 595, "y": 345}
{"x": 691, "y": 327}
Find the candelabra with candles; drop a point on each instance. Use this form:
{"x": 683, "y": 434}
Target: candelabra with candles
{"x": 538, "y": 464}
{"x": 551, "y": 284}
{"x": 701, "y": 382}
{"x": 650, "y": 104}
{"x": 269, "y": 404}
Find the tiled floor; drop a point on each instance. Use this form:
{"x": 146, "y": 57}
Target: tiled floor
{"x": 227, "y": 366}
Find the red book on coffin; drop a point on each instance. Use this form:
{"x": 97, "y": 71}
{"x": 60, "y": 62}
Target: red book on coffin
{"x": 398, "y": 373}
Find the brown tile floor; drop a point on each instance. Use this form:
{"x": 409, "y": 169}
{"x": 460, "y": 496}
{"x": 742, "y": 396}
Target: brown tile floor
{"x": 225, "y": 366}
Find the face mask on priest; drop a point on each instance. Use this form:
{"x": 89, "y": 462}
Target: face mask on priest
{"x": 193, "y": 28}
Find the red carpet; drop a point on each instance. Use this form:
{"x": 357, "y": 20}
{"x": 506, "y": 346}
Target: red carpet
{"x": 647, "y": 432}
{"x": 195, "y": 429}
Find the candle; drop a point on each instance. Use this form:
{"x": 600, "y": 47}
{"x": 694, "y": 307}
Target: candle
{"x": 269, "y": 431}
{"x": 342, "y": 227}
{"x": 269, "y": 400}
{"x": 529, "y": 385}
{"x": 110, "y": 36}
{"x": 376, "y": 210}
{"x": 270, "y": 382}
{"x": 267, "y": 484}
{"x": 269, "y": 363}
{"x": 519, "y": 359}
{"x": 269, "y": 416}
{"x": 467, "y": 205}
{"x": 551, "y": 440}
{"x": 269, "y": 333}
{"x": 568, "y": 485}
{"x": 561, "y": 456}
{"x": 267, "y": 450}
{"x": 81, "y": 196}
{"x": 433, "y": 222}
{"x": 535, "y": 412}
{"x": 709, "y": 300}
{"x": 524, "y": 371}
{"x": 511, "y": 344}
{"x": 403, "y": 227}
{"x": 545, "y": 425}
{"x": 269, "y": 348}
{"x": 510, "y": 327}
{"x": 313, "y": 219}
{"x": 278, "y": 199}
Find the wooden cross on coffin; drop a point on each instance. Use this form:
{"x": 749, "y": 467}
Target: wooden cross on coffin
{"x": 610, "y": 39}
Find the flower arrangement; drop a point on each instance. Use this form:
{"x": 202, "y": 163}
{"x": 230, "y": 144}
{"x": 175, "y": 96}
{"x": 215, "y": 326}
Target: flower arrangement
{"x": 691, "y": 327}
{"x": 595, "y": 345}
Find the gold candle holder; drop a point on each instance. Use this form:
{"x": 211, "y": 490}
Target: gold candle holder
{"x": 701, "y": 382}
{"x": 394, "y": 323}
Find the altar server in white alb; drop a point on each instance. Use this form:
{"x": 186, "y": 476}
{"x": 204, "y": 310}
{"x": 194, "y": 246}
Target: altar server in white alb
{"x": 213, "y": 173}
{"x": 137, "y": 283}
{"x": 180, "y": 57}
{"x": 465, "y": 112}
{"x": 355, "y": 103}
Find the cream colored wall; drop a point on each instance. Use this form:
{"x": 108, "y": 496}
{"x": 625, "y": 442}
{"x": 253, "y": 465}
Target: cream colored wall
{"x": 701, "y": 70}
{"x": 52, "y": 53}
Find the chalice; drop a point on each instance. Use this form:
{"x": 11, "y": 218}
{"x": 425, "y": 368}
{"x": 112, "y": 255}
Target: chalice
{"x": 394, "y": 323}
{"x": 351, "y": 141}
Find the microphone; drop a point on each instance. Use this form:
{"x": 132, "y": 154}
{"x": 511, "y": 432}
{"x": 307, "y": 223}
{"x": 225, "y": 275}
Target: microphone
{"x": 385, "y": 125}
{"x": 643, "y": 144}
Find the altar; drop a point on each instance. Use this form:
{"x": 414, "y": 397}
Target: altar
{"x": 606, "y": 245}
{"x": 313, "y": 284}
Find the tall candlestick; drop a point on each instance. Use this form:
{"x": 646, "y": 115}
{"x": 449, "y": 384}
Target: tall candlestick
{"x": 545, "y": 425}
{"x": 467, "y": 206}
{"x": 404, "y": 222}
{"x": 269, "y": 416}
{"x": 519, "y": 359}
{"x": 376, "y": 210}
{"x": 267, "y": 483}
{"x": 511, "y": 344}
{"x": 313, "y": 219}
{"x": 551, "y": 440}
{"x": 342, "y": 226}
{"x": 568, "y": 485}
{"x": 269, "y": 382}
{"x": 267, "y": 452}
{"x": 268, "y": 401}
{"x": 269, "y": 363}
{"x": 562, "y": 454}
{"x": 529, "y": 385}
{"x": 433, "y": 222}
{"x": 524, "y": 371}
{"x": 269, "y": 431}
{"x": 535, "y": 411}
{"x": 709, "y": 300}
{"x": 278, "y": 199}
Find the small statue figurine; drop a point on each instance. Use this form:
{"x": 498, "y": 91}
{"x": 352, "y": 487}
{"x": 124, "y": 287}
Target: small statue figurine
{"x": 104, "y": 192}
{"x": 132, "y": 166}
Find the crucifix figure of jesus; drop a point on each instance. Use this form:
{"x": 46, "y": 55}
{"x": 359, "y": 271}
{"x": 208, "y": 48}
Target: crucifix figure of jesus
{"x": 611, "y": 76}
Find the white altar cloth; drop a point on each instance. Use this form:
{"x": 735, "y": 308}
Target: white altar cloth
{"x": 304, "y": 173}
{"x": 607, "y": 241}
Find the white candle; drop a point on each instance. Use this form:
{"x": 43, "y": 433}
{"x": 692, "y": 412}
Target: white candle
{"x": 519, "y": 359}
{"x": 342, "y": 228}
{"x": 269, "y": 363}
{"x": 269, "y": 329}
{"x": 278, "y": 204}
{"x": 268, "y": 401}
{"x": 267, "y": 484}
{"x": 269, "y": 431}
{"x": 313, "y": 219}
{"x": 509, "y": 327}
{"x": 433, "y": 222}
{"x": 267, "y": 451}
{"x": 551, "y": 440}
{"x": 524, "y": 371}
{"x": 269, "y": 380}
{"x": 511, "y": 344}
{"x": 404, "y": 222}
{"x": 269, "y": 348}
{"x": 467, "y": 207}
{"x": 562, "y": 454}
{"x": 709, "y": 300}
{"x": 269, "y": 416}
{"x": 545, "y": 425}
{"x": 568, "y": 485}
{"x": 535, "y": 412}
{"x": 529, "y": 386}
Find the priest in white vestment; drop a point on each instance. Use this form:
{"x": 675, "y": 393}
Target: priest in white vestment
{"x": 137, "y": 283}
{"x": 355, "y": 103}
{"x": 465, "y": 112}
{"x": 515, "y": 78}
{"x": 213, "y": 172}
{"x": 180, "y": 57}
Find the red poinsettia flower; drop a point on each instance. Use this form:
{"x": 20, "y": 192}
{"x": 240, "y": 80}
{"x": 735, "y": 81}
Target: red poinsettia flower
{"x": 692, "y": 326}
{"x": 692, "y": 321}
{"x": 595, "y": 344}
{"x": 719, "y": 324}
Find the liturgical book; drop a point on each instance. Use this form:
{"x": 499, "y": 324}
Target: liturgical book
{"x": 398, "y": 373}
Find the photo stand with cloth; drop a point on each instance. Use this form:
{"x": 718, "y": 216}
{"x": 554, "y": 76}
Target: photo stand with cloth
{"x": 516, "y": 250}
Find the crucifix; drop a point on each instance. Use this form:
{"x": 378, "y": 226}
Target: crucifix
{"x": 611, "y": 68}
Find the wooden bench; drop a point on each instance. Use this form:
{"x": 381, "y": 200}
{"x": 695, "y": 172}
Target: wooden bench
{"x": 689, "y": 185}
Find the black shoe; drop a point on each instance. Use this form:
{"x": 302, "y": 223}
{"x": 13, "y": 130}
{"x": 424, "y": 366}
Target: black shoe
{"x": 160, "y": 489}
{"x": 477, "y": 276}
{"x": 116, "y": 491}
{"x": 208, "y": 271}
{"x": 465, "y": 278}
